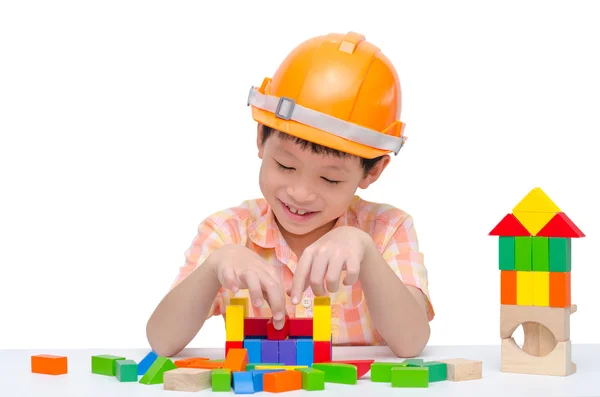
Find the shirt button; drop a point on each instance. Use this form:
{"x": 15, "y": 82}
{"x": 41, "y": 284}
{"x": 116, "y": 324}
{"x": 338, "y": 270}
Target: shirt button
{"x": 306, "y": 302}
{"x": 309, "y": 313}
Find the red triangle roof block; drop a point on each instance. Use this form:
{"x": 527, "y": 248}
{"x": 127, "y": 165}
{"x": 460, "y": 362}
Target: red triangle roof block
{"x": 510, "y": 226}
{"x": 560, "y": 226}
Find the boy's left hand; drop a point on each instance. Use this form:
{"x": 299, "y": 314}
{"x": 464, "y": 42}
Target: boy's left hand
{"x": 343, "y": 248}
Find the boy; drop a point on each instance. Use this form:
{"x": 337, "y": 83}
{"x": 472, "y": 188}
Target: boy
{"x": 327, "y": 122}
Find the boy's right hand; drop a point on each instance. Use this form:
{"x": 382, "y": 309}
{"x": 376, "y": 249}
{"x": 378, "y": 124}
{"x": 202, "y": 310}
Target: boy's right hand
{"x": 238, "y": 267}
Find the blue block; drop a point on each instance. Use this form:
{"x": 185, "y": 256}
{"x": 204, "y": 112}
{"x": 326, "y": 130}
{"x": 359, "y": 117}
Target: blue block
{"x": 287, "y": 351}
{"x": 146, "y": 363}
{"x": 257, "y": 377}
{"x": 304, "y": 352}
{"x": 254, "y": 349}
{"x": 242, "y": 383}
{"x": 269, "y": 351}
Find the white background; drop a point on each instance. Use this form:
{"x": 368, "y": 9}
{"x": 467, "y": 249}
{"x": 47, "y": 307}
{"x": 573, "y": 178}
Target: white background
{"x": 118, "y": 119}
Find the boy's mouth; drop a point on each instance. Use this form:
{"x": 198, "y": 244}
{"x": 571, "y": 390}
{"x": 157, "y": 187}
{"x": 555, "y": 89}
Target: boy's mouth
{"x": 297, "y": 211}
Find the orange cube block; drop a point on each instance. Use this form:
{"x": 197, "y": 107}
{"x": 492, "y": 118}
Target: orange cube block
{"x": 277, "y": 382}
{"x": 508, "y": 287}
{"x": 49, "y": 364}
{"x": 236, "y": 360}
{"x": 560, "y": 289}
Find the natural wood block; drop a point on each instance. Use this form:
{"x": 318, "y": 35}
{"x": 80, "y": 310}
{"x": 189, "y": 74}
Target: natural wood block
{"x": 460, "y": 369}
{"x": 557, "y": 320}
{"x": 187, "y": 379}
{"x": 557, "y": 362}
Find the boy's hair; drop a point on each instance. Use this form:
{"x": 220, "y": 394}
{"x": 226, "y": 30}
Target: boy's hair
{"x": 366, "y": 164}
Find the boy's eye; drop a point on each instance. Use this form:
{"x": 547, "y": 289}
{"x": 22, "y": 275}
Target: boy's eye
{"x": 283, "y": 167}
{"x": 332, "y": 182}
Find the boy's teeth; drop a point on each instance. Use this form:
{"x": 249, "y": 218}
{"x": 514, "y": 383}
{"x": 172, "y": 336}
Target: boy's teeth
{"x": 296, "y": 211}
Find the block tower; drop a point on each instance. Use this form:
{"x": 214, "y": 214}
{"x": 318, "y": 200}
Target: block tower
{"x": 535, "y": 286}
{"x": 301, "y": 342}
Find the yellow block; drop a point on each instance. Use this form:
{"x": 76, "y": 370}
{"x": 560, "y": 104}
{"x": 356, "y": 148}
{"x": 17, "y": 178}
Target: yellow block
{"x": 322, "y": 323}
{"x": 322, "y": 300}
{"x": 234, "y": 323}
{"x": 541, "y": 288}
{"x": 240, "y": 301}
{"x": 286, "y": 367}
{"x": 525, "y": 288}
{"x": 534, "y": 221}
{"x": 536, "y": 201}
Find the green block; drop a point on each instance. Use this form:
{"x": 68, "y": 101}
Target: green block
{"x": 437, "y": 371}
{"x": 104, "y": 364}
{"x": 540, "y": 254}
{"x": 154, "y": 375}
{"x": 221, "y": 379}
{"x": 126, "y": 370}
{"x": 410, "y": 377}
{"x": 413, "y": 362}
{"x": 312, "y": 379}
{"x": 506, "y": 253}
{"x": 338, "y": 372}
{"x": 381, "y": 371}
{"x": 560, "y": 254}
{"x": 523, "y": 253}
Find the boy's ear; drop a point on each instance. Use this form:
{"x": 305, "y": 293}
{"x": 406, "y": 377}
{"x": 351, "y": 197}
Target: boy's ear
{"x": 259, "y": 139}
{"x": 375, "y": 172}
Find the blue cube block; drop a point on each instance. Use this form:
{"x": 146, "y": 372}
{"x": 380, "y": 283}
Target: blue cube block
{"x": 304, "y": 352}
{"x": 243, "y": 383}
{"x": 269, "y": 350}
{"x": 257, "y": 377}
{"x": 254, "y": 350}
{"x": 146, "y": 363}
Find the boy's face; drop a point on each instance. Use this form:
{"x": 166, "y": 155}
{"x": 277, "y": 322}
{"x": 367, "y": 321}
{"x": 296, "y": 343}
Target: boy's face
{"x": 306, "y": 190}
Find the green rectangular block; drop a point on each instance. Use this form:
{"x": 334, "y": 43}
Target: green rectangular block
{"x": 221, "y": 379}
{"x": 105, "y": 364}
{"x": 410, "y": 377}
{"x": 338, "y": 372}
{"x": 126, "y": 370}
{"x": 523, "y": 253}
{"x": 506, "y": 253}
{"x": 540, "y": 252}
{"x": 560, "y": 254}
{"x": 413, "y": 362}
{"x": 437, "y": 371}
{"x": 312, "y": 379}
{"x": 382, "y": 371}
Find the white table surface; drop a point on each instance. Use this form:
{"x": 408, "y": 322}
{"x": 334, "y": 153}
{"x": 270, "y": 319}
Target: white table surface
{"x": 17, "y": 380}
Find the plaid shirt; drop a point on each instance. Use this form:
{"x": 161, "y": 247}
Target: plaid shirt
{"x": 252, "y": 224}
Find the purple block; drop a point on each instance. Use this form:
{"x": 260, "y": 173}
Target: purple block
{"x": 269, "y": 350}
{"x": 287, "y": 351}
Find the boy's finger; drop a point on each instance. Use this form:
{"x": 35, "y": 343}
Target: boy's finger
{"x": 253, "y": 284}
{"x": 301, "y": 274}
{"x": 334, "y": 271}
{"x": 275, "y": 296}
{"x": 317, "y": 273}
{"x": 352, "y": 270}
{"x": 229, "y": 279}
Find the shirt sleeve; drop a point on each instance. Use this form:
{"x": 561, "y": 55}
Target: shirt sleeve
{"x": 403, "y": 255}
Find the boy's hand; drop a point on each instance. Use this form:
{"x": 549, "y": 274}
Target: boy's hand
{"x": 238, "y": 267}
{"x": 343, "y": 248}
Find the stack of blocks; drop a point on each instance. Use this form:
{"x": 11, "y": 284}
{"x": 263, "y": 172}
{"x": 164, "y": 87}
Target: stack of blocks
{"x": 535, "y": 285}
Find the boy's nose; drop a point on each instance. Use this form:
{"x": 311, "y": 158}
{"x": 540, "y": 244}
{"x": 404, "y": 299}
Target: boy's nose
{"x": 301, "y": 193}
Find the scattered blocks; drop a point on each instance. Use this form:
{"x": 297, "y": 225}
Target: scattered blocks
{"x": 282, "y": 367}
{"x": 410, "y": 376}
{"x": 49, "y": 364}
{"x": 382, "y": 371}
{"x": 460, "y": 369}
{"x": 232, "y": 345}
{"x": 243, "y": 383}
{"x": 253, "y": 346}
{"x": 413, "y": 362}
{"x": 105, "y": 364}
{"x": 277, "y": 382}
{"x": 146, "y": 362}
{"x": 126, "y": 370}
{"x": 221, "y": 379}
{"x": 257, "y": 377}
{"x": 187, "y": 379}
{"x": 338, "y": 372}
{"x": 312, "y": 379}
{"x": 186, "y": 362}
{"x": 438, "y": 371}
{"x": 236, "y": 360}
{"x": 155, "y": 373}
{"x": 362, "y": 366}
{"x": 205, "y": 364}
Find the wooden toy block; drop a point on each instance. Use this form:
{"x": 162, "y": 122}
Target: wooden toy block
{"x": 304, "y": 352}
{"x": 540, "y": 254}
{"x": 221, "y": 379}
{"x": 321, "y": 351}
{"x": 49, "y": 364}
{"x": 252, "y": 366}
{"x": 279, "y": 366}
{"x": 541, "y": 288}
{"x": 560, "y": 254}
{"x": 382, "y": 371}
{"x": 525, "y": 288}
{"x": 236, "y": 360}
{"x": 256, "y": 327}
{"x": 253, "y": 348}
{"x": 287, "y": 351}
{"x": 413, "y": 362}
{"x": 232, "y": 345}
{"x": 506, "y": 252}
{"x": 460, "y": 369}
{"x": 509, "y": 226}
{"x": 508, "y": 287}
{"x": 146, "y": 362}
{"x": 206, "y": 364}
{"x": 155, "y": 373}
{"x": 557, "y": 362}
{"x": 104, "y": 364}
{"x": 257, "y": 377}
{"x": 536, "y": 201}
{"x": 410, "y": 377}
{"x": 561, "y": 226}
{"x": 556, "y": 320}
{"x": 312, "y": 379}
{"x": 278, "y": 334}
{"x": 241, "y": 302}
{"x": 560, "y": 289}
{"x": 234, "y": 323}
{"x": 243, "y": 383}
{"x": 126, "y": 370}
{"x": 185, "y": 362}
{"x": 269, "y": 351}
{"x": 437, "y": 371}
{"x": 523, "y": 254}
{"x": 533, "y": 221}
{"x": 301, "y": 327}
{"x": 187, "y": 379}
{"x": 322, "y": 301}
{"x": 362, "y": 366}
{"x": 338, "y": 373}
{"x": 321, "y": 323}
{"x": 277, "y": 382}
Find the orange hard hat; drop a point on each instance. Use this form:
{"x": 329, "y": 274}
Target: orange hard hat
{"x": 338, "y": 91}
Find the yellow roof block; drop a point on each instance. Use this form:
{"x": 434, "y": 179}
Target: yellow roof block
{"x": 536, "y": 201}
{"x": 534, "y": 221}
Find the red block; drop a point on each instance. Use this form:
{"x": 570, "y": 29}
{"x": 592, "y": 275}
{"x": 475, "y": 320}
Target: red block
{"x": 301, "y": 326}
{"x": 321, "y": 352}
{"x": 362, "y": 366}
{"x": 274, "y": 334}
{"x": 561, "y": 226}
{"x": 233, "y": 345}
{"x": 510, "y": 226}
{"x": 256, "y": 326}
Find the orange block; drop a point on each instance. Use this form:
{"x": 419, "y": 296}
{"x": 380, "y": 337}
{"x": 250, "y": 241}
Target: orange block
{"x": 205, "y": 364}
{"x": 560, "y": 289}
{"x": 185, "y": 362}
{"x": 49, "y": 364}
{"x": 236, "y": 360}
{"x": 277, "y": 382}
{"x": 508, "y": 287}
